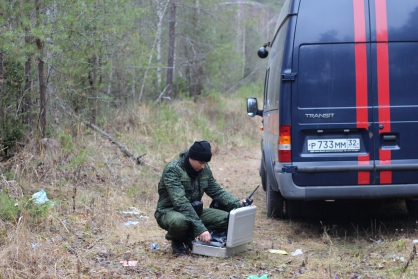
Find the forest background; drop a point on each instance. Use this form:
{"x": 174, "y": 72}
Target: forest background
{"x": 89, "y": 57}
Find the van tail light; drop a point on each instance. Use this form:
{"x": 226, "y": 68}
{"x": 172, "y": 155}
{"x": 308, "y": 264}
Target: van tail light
{"x": 285, "y": 144}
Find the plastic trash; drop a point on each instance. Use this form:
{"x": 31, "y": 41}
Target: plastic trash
{"x": 132, "y": 211}
{"x": 415, "y": 241}
{"x": 265, "y": 276}
{"x": 130, "y": 223}
{"x": 41, "y": 198}
{"x": 129, "y": 263}
{"x": 276, "y": 251}
{"x": 154, "y": 246}
{"x": 297, "y": 252}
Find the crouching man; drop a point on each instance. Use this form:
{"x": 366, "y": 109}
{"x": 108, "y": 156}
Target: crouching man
{"x": 182, "y": 185}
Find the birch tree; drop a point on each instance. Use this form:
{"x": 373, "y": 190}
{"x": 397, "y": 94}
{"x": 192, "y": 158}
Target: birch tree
{"x": 156, "y": 46}
{"x": 171, "y": 49}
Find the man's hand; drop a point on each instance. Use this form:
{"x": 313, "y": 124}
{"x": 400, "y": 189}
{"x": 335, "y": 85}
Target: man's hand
{"x": 244, "y": 201}
{"x": 205, "y": 237}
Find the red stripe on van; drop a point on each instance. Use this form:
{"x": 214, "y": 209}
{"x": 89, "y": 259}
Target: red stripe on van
{"x": 361, "y": 79}
{"x": 383, "y": 83}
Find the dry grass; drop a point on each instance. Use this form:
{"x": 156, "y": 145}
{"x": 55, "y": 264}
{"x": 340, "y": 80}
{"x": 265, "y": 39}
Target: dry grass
{"x": 91, "y": 183}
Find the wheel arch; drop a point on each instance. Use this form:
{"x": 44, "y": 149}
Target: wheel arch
{"x": 269, "y": 166}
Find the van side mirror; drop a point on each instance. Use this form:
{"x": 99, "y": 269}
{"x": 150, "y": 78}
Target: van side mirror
{"x": 252, "y": 107}
{"x": 262, "y": 52}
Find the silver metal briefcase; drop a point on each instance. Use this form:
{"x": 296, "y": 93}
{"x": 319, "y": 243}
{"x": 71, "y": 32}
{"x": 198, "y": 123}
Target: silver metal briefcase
{"x": 240, "y": 233}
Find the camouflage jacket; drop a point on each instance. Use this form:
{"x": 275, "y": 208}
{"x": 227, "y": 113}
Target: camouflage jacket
{"x": 176, "y": 192}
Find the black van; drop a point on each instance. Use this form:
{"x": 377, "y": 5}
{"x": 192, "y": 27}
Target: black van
{"x": 340, "y": 110}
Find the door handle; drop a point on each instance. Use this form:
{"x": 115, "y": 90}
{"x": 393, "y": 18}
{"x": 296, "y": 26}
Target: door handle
{"x": 389, "y": 137}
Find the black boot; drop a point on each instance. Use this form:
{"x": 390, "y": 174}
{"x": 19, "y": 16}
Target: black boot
{"x": 178, "y": 247}
{"x": 188, "y": 240}
{"x": 189, "y": 243}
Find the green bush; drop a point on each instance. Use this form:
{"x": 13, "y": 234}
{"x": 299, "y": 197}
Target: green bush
{"x": 11, "y": 210}
{"x": 33, "y": 209}
{"x": 12, "y": 132}
{"x": 8, "y": 209}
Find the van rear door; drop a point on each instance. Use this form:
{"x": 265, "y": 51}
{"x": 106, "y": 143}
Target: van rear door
{"x": 332, "y": 100}
{"x": 394, "y": 34}
{"x": 355, "y": 98}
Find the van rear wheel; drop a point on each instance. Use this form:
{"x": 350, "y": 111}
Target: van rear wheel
{"x": 274, "y": 201}
{"x": 263, "y": 175}
{"x": 412, "y": 207}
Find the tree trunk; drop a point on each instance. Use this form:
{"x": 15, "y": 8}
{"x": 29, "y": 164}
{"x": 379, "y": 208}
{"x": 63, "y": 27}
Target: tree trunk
{"x": 196, "y": 78}
{"x": 241, "y": 35}
{"x": 244, "y": 58}
{"x": 27, "y": 92}
{"x": 157, "y": 43}
{"x": 93, "y": 79}
{"x": 161, "y": 12}
{"x": 41, "y": 76}
{"x": 26, "y": 109}
{"x": 171, "y": 50}
{"x": 42, "y": 90}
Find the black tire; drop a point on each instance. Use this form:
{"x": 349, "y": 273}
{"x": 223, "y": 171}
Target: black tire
{"x": 274, "y": 201}
{"x": 412, "y": 207}
{"x": 263, "y": 175}
{"x": 294, "y": 209}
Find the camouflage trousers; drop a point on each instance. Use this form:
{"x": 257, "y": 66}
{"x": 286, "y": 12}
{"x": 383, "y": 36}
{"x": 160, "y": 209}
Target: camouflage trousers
{"x": 176, "y": 224}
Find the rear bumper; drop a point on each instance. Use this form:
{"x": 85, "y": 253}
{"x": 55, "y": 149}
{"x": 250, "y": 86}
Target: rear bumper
{"x": 291, "y": 191}
{"x": 337, "y": 168}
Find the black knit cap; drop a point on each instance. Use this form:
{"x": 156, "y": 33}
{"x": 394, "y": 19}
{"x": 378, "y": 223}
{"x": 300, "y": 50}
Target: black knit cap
{"x": 200, "y": 151}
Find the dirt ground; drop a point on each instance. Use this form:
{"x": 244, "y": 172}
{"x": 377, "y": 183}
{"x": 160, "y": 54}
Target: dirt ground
{"x": 355, "y": 240}
{"x": 337, "y": 240}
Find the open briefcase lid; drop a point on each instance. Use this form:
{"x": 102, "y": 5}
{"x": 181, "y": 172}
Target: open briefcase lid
{"x": 239, "y": 234}
{"x": 240, "y": 226}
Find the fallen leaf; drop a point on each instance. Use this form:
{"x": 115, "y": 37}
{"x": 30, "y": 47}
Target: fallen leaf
{"x": 276, "y": 251}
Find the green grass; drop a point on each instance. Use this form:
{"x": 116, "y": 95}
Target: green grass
{"x": 92, "y": 182}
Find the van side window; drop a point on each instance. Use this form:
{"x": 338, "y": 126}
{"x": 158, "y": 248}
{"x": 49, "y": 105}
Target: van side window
{"x": 275, "y": 72}
{"x": 266, "y": 81}
{"x": 277, "y": 44}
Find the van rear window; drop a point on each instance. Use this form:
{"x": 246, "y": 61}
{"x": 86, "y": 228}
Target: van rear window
{"x": 403, "y": 61}
{"x": 326, "y": 76}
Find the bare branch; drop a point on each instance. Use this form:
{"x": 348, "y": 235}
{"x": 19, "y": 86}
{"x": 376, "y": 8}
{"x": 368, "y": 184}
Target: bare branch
{"x": 159, "y": 97}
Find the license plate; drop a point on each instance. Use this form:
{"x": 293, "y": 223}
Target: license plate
{"x": 334, "y": 145}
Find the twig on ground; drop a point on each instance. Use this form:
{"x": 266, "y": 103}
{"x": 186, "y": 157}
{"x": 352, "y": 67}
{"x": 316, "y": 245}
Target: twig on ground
{"x": 62, "y": 223}
{"x": 411, "y": 258}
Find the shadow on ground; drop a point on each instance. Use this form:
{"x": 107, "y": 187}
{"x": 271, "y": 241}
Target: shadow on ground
{"x": 353, "y": 218}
